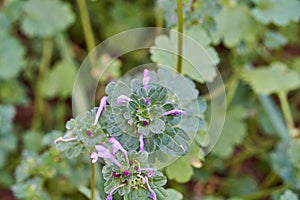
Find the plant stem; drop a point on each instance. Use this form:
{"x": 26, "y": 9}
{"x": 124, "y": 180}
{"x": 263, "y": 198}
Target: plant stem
{"x": 86, "y": 24}
{"x": 264, "y": 193}
{"x": 180, "y": 30}
{"x": 286, "y": 112}
{"x": 92, "y": 181}
{"x": 269, "y": 180}
{"x": 43, "y": 71}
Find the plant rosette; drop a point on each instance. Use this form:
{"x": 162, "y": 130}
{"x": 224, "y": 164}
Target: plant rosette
{"x": 160, "y": 112}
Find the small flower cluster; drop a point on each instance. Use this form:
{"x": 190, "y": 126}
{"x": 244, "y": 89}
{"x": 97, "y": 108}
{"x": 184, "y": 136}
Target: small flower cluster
{"x": 123, "y": 171}
{"x": 128, "y": 127}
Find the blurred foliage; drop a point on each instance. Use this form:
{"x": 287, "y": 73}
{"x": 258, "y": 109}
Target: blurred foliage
{"x": 255, "y": 42}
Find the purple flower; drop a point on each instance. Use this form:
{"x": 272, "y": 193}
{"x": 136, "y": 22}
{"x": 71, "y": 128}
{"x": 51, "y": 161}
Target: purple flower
{"x": 126, "y": 173}
{"x": 142, "y": 143}
{"x": 104, "y": 152}
{"x": 117, "y": 146}
{"x": 152, "y": 193}
{"x": 123, "y": 99}
{"x": 147, "y": 101}
{"x": 175, "y": 112}
{"x": 145, "y": 123}
{"x": 146, "y": 79}
{"x": 109, "y": 197}
{"x": 115, "y": 175}
{"x": 100, "y": 109}
{"x": 60, "y": 139}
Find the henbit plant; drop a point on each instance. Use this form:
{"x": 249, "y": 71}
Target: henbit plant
{"x": 134, "y": 127}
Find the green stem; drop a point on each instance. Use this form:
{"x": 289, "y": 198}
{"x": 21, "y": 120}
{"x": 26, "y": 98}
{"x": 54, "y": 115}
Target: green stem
{"x": 265, "y": 193}
{"x": 43, "y": 71}
{"x": 269, "y": 180}
{"x": 86, "y": 24}
{"x": 286, "y": 112}
{"x": 180, "y": 30}
{"x": 92, "y": 181}
{"x": 233, "y": 85}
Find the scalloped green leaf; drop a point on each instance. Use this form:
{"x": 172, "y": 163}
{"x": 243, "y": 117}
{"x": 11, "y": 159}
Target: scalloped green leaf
{"x": 276, "y": 11}
{"x": 45, "y": 18}
{"x": 233, "y": 132}
{"x": 157, "y": 126}
{"x": 162, "y": 53}
{"x": 235, "y": 24}
{"x": 60, "y": 80}
{"x": 176, "y": 169}
{"x": 174, "y": 195}
{"x": 272, "y": 79}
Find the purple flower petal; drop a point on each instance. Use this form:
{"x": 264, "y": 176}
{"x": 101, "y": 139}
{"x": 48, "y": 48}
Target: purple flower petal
{"x": 115, "y": 175}
{"x": 123, "y": 99}
{"x": 142, "y": 143}
{"x": 146, "y": 79}
{"x": 100, "y": 109}
{"x": 126, "y": 173}
{"x": 109, "y": 197}
{"x": 117, "y": 146}
{"x": 60, "y": 139}
{"x": 152, "y": 193}
{"x": 175, "y": 112}
{"x": 104, "y": 152}
{"x": 94, "y": 157}
{"x": 145, "y": 123}
{"x": 147, "y": 100}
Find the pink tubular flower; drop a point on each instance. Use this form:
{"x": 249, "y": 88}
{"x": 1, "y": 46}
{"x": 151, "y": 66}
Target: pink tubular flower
{"x": 175, "y": 112}
{"x": 117, "y": 146}
{"x": 142, "y": 143}
{"x": 123, "y": 99}
{"x": 146, "y": 79}
{"x": 60, "y": 139}
{"x": 152, "y": 193}
{"x": 104, "y": 152}
{"x": 109, "y": 197}
{"x": 100, "y": 109}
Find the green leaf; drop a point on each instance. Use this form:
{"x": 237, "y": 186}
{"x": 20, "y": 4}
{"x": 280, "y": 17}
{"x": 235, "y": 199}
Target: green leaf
{"x": 11, "y": 57}
{"x": 274, "y": 40}
{"x": 235, "y": 24}
{"x": 60, "y": 81}
{"x": 7, "y": 112}
{"x": 13, "y": 92}
{"x": 277, "y": 11}
{"x": 289, "y": 195}
{"x": 176, "y": 169}
{"x": 31, "y": 189}
{"x": 33, "y": 141}
{"x": 240, "y": 186}
{"x": 283, "y": 166}
{"x": 293, "y": 152}
{"x": 204, "y": 59}
{"x": 233, "y": 132}
{"x": 45, "y": 18}
{"x": 272, "y": 79}
{"x": 174, "y": 195}
{"x": 157, "y": 126}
